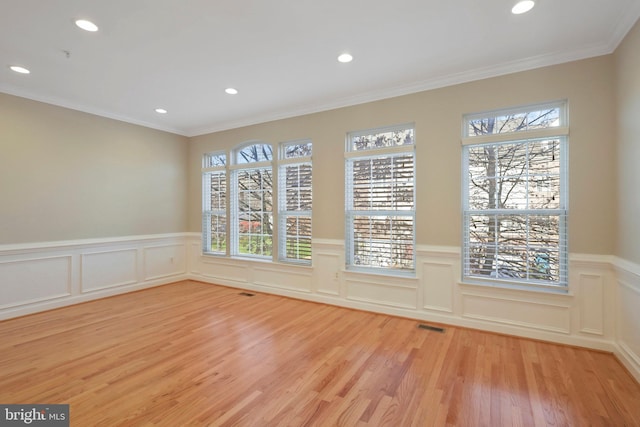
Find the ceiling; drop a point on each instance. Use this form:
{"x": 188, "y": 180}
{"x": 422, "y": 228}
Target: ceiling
{"x": 281, "y": 54}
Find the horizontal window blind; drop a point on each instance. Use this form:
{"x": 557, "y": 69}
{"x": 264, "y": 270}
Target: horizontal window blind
{"x": 296, "y": 199}
{"x": 214, "y": 204}
{"x": 380, "y": 200}
{"x": 515, "y": 199}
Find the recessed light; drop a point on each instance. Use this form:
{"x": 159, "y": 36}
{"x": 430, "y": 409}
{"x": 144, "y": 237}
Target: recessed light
{"x": 19, "y": 69}
{"x": 523, "y": 7}
{"x": 161, "y": 111}
{"x": 86, "y": 25}
{"x": 345, "y": 57}
{"x": 231, "y": 91}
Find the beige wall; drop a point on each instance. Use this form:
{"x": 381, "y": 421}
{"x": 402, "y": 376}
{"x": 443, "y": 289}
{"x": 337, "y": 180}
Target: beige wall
{"x": 68, "y": 175}
{"x": 628, "y": 98}
{"x": 437, "y": 114}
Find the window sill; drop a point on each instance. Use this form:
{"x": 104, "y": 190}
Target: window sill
{"x": 237, "y": 259}
{"x": 517, "y": 288}
{"x": 403, "y": 274}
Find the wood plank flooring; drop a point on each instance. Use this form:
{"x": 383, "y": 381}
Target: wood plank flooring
{"x": 194, "y": 354}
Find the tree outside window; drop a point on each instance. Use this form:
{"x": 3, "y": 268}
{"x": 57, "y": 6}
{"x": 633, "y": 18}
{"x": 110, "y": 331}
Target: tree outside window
{"x": 252, "y": 208}
{"x": 515, "y": 213}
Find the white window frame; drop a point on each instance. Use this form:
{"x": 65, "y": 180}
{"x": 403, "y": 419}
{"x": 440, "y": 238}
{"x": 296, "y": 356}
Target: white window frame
{"x": 235, "y": 168}
{"x": 352, "y": 155}
{"x": 283, "y": 213}
{"x": 207, "y": 212}
{"x": 527, "y": 136}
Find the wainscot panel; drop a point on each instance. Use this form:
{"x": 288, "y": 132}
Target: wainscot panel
{"x": 295, "y": 278}
{"x": 439, "y": 272}
{"x": 385, "y": 290}
{"x": 327, "y": 266}
{"x": 32, "y": 280}
{"x": 225, "y": 271}
{"x": 109, "y": 269}
{"x": 591, "y": 304}
{"x": 592, "y": 281}
{"x": 528, "y": 313}
{"x": 165, "y": 261}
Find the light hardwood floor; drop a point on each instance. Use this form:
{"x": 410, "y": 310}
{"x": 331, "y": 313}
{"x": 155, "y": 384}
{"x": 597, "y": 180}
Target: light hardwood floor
{"x": 193, "y": 354}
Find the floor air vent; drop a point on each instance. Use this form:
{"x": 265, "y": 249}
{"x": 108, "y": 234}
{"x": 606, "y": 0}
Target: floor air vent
{"x": 246, "y": 294}
{"x": 430, "y": 328}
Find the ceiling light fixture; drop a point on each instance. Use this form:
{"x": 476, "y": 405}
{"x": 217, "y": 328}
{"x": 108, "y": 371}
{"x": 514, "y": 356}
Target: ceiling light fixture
{"x": 523, "y": 6}
{"x": 231, "y": 91}
{"x": 19, "y": 69}
{"x": 161, "y": 111}
{"x": 86, "y": 25}
{"x": 345, "y": 57}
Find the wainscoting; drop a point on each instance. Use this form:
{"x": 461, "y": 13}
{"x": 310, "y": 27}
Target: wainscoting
{"x": 36, "y": 277}
{"x": 601, "y": 310}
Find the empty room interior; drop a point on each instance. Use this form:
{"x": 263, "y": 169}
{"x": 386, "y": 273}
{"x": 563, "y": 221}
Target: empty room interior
{"x": 321, "y": 213}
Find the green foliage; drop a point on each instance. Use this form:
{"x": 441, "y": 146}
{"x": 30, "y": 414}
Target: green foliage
{"x": 255, "y": 244}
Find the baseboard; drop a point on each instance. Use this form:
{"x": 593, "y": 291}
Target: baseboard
{"x": 628, "y": 359}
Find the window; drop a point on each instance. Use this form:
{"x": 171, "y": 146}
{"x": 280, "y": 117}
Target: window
{"x": 214, "y": 217}
{"x": 252, "y": 201}
{"x": 250, "y": 230}
{"x": 515, "y": 197}
{"x": 380, "y": 212}
{"x": 295, "y": 199}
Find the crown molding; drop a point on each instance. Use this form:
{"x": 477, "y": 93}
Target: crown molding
{"x": 435, "y": 82}
{"x": 625, "y": 24}
{"x": 64, "y": 103}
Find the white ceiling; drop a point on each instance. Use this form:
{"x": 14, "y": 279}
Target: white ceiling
{"x": 281, "y": 54}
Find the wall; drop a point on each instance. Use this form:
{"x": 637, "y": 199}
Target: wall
{"x": 627, "y": 250}
{"x": 89, "y": 206}
{"x": 70, "y": 175}
{"x": 628, "y": 102}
